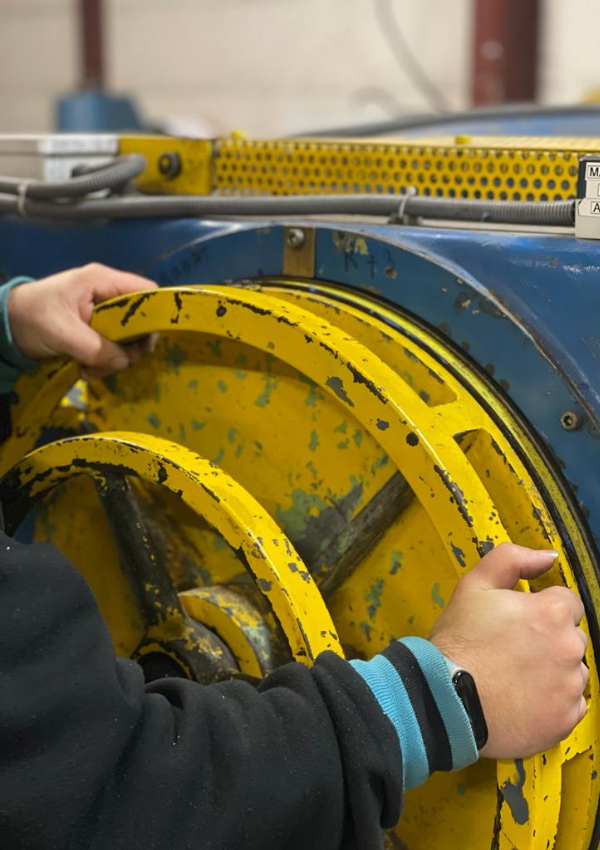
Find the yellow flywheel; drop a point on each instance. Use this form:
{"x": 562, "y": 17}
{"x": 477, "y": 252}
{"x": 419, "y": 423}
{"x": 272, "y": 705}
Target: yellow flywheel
{"x": 382, "y": 464}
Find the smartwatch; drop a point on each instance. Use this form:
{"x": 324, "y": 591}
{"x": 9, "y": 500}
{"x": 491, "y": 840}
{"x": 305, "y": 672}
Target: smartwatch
{"x": 466, "y": 689}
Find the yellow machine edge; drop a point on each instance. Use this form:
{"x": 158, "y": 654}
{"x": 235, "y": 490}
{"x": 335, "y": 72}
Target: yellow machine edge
{"x": 478, "y": 167}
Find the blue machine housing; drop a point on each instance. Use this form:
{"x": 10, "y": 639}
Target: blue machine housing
{"x": 524, "y": 307}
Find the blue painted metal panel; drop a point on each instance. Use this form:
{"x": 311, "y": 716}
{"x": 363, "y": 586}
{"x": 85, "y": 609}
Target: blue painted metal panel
{"x": 567, "y": 124}
{"x": 524, "y": 307}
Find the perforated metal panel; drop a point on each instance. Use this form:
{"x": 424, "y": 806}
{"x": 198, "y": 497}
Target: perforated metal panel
{"x": 527, "y": 169}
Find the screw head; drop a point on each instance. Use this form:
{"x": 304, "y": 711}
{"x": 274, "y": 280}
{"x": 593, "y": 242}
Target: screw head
{"x": 295, "y": 237}
{"x": 169, "y": 164}
{"x": 571, "y": 420}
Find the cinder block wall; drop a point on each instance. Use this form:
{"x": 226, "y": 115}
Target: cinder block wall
{"x": 269, "y": 66}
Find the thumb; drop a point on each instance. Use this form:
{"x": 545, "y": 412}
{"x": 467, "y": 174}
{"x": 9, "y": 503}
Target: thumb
{"x": 93, "y": 350}
{"x": 502, "y": 568}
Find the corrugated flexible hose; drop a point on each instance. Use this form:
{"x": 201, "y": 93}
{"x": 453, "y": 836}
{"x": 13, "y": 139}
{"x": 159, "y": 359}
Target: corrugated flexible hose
{"x": 66, "y": 200}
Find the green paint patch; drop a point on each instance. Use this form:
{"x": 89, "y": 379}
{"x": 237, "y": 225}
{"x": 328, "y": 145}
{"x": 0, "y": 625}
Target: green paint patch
{"x": 343, "y": 444}
{"x": 239, "y": 374}
{"x": 379, "y": 463}
{"x": 270, "y": 384}
{"x": 222, "y": 386}
{"x": 295, "y": 519}
{"x": 219, "y": 543}
{"x": 193, "y": 384}
{"x": 241, "y": 360}
{"x": 214, "y": 345}
{"x": 232, "y": 434}
{"x": 437, "y": 597}
{"x": 358, "y": 437}
{"x": 312, "y": 468}
{"x": 181, "y": 433}
{"x": 341, "y": 428}
{"x": 396, "y": 561}
{"x": 460, "y": 790}
{"x": 366, "y": 630}
{"x": 153, "y": 420}
{"x": 314, "y": 441}
{"x": 373, "y": 597}
{"x": 111, "y": 382}
{"x": 239, "y": 449}
{"x": 175, "y": 357}
{"x": 197, "y": 426}
{"x": 219, "y": 456}
{"x": 311, "y": 398}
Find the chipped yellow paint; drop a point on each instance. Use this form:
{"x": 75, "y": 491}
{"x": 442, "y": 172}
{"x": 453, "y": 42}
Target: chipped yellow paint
{"x": 236, "y": 621}
{"x": 526, "y": 517}
{"x": 506, "y": 168}
{"x": 212, "y": 494}
{"x": 519, "y": 169}
{"x": 331, "y": 380}
{"x": 195, "y": 164}
{"x": 350, "y": 243}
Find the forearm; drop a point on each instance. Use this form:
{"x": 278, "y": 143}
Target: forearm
{"x": 92, "y": 758}
{"x": 12, "y": 362}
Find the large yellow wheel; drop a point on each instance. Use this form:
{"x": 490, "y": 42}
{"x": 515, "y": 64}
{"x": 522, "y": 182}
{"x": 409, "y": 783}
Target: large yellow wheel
{"x": 388, "y": 463}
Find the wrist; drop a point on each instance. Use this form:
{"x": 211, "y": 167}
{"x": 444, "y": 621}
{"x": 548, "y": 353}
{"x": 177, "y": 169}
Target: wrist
{"x": 10, "y": 348}
{"x": 466, "y": 689}
{"x": 411, "y": 681}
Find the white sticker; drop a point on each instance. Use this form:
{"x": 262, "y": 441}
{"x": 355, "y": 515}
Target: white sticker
{"x": 588, "y": 207}
{"x": 592, "y": 171}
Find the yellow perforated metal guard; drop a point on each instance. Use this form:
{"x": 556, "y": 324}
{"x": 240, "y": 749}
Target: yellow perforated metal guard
{"x": 521, "y": 169}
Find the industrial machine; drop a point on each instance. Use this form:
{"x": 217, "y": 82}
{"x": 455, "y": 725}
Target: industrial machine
{"x": 376, "y": 360}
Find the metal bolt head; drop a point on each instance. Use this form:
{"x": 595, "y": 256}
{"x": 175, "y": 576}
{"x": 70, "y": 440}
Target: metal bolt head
{"x": 571, "y": 420}
{"x": 296, "y": 237}
{"x": 169, "y": 164}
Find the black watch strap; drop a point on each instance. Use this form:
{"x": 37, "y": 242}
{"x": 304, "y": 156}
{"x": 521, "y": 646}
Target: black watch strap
{"x": 465, "y": 687}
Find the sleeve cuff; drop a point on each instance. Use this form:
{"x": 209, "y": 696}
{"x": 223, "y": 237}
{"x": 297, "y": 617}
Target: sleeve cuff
{"x": 412, "y": 683}
{"x": 13, "y": 361}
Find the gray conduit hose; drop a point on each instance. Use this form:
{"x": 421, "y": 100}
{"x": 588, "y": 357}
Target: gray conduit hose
{"x": 546, "y": 213}
{"x": 113, "y": 175}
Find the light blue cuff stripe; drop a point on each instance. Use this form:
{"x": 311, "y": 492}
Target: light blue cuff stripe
{"x": 389, "y": 691}
{"x": 14, "y": 362}
{"x": 435, "y": 669}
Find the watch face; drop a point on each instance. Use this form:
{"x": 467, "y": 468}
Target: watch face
{"x": 466, "y": 689}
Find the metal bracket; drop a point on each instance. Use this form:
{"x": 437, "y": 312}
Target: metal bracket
{"x": 299, "y": 252}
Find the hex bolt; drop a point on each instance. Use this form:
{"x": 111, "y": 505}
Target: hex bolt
{"x": 169, "y": 164}
{"x": 296, "y": 237}
{"x": 571, "y": 420}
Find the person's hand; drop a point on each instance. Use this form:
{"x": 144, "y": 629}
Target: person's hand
{"x": 50, "y": 317}
{"x": 524, "y": 651}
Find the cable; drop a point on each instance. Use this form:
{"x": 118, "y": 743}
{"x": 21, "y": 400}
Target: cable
{"x": 416, "y": 122}
{"x": 113, "y": 175}
{"x": 555, "y": 213}
{"x": 406, "y": 59}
